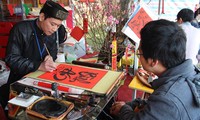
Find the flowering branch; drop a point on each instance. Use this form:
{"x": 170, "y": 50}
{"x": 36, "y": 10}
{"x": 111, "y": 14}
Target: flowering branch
{"x": 102, "y": 15}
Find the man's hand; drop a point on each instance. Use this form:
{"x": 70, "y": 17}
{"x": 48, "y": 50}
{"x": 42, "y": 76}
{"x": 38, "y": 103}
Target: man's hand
{"x": 48, "y": 64}
{"x": 115, "y": 109}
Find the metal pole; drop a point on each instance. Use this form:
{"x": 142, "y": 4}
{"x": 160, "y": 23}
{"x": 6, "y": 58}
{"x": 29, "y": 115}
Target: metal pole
{"x": 135, "y": 68}
{"x": 136, "y": 58}
{"x": 23, "y": 10}
{"x": 159, "y": 3}
{"x": 57, "y": 41}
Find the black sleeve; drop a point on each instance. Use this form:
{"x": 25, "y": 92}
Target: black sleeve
{"x": 14, "y": 58}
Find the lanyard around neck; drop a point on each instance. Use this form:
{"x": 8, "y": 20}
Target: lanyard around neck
{"x": 41, "y": 50}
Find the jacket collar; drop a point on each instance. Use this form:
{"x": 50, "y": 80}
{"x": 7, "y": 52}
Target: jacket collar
{"x": 185, "y": 69}
{"x": 38, "y": 30}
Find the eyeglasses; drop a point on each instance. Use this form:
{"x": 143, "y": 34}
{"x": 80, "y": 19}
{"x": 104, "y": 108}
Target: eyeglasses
{"x": 138, "y": 53}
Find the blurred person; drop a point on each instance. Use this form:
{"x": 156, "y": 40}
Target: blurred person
{"x": 195, "y": 21}
{"x": 197, "y": 17}
{"x": 184, "y": 17}
{"x": 162, "y": 51}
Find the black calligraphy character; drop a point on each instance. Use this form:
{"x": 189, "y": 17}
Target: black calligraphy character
{"x": 139, "y": 17}
{"x": 84, "y": 77}
{"x": 135, "y": 23}
{"x": 63, "y": 74}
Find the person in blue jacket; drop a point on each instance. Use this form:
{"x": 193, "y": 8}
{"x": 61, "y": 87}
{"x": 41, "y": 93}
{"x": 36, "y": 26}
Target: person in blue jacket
{"x": 176, "y": 93}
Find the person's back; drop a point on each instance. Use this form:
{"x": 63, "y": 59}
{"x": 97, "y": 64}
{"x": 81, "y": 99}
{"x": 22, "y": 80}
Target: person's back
{"x": 193, "y": 41}
{"x": 184, "y": 18}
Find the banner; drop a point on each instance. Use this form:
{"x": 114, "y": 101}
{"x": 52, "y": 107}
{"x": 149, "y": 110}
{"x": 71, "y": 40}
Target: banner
{"x": 170, "y": 8}
{"x": 137, "y": 21}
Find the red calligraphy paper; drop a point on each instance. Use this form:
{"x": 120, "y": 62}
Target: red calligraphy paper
{"x": 139, "y": 21}
{"x": 75, "y": 75}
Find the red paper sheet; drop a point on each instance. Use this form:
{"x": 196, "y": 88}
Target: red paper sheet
{"x": 77, "y": 33}
{"x": 11, "y": 8}
{"x": 139, "y": 21}
{"x": 75, "y": 75}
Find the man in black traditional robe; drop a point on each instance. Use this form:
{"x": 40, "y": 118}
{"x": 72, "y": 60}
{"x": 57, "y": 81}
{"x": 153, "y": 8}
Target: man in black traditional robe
{"x": 32, "y": 45}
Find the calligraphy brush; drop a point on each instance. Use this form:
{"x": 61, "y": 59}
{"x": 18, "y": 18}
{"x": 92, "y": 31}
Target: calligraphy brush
{"x": 47, "y": 49}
